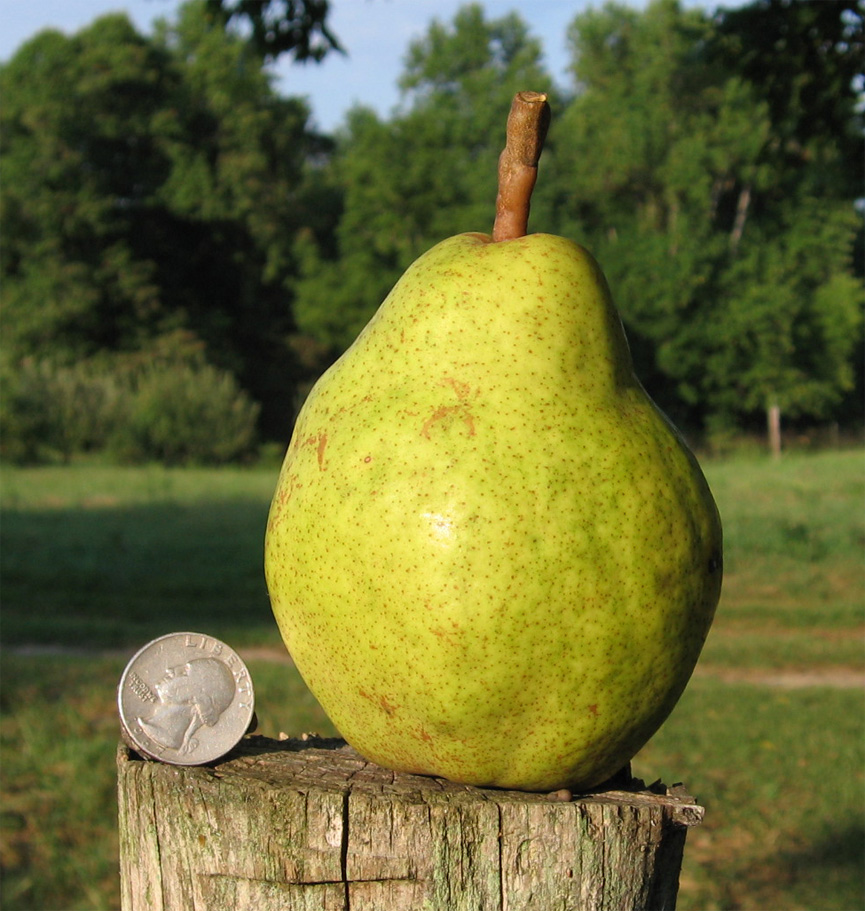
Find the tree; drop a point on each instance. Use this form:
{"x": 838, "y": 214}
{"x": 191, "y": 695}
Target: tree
{"x": 237, "y": 180}
{"x": 160, "y": 196}
{"x": 784, "y": 342}
{"x": 806, "y": 57}
{"x": 698, "y": 218}
{"x": 298, "y": 27}
{"x": 653, "y": 144}
{"x": 79, "y": 157}
{"x": 151, "y": 191}
{"x": 427, "y": 173}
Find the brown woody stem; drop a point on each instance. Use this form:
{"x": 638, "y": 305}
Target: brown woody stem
{"x": 527, "y": 127}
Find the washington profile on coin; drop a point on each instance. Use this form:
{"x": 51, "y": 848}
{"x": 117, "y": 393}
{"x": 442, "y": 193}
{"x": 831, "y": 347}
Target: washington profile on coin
{"x": 186, "y": 699}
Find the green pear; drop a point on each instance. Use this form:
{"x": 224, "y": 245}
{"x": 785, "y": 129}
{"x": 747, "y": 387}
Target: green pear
{"x": 489, "y": 554}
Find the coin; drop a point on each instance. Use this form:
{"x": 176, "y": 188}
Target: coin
{"x": 185, "y": 699}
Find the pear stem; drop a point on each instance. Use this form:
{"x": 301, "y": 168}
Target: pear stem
{"x": 528, "y": 122}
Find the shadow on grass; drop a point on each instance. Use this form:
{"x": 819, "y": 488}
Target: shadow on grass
{"x": 827, "y": 874}
{"x": 118, "y": 576}
{"x": 832, "y": 866}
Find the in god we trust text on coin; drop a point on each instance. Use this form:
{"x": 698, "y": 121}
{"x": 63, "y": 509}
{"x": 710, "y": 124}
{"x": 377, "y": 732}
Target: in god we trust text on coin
{"x": 186, "y": 699}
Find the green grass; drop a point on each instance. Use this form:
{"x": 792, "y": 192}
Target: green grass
{"x": 781, "y": 774}
{"x": 111, "y": 557}
{"x": 794, "y": 532}
{"x": 103, "y": 559}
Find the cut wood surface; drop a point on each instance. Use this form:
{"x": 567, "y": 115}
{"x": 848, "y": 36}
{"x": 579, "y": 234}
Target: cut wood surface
{"x": 309, "y": 824}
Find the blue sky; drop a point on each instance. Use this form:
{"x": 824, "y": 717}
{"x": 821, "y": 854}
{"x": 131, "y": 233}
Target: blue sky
{"x": 376, "y": 34}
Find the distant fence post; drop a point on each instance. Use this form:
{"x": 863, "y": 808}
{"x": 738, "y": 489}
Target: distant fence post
{"x": 311, "y": 825}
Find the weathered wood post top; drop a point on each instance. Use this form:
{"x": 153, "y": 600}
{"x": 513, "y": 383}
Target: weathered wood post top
{"x": 309, "y": 824}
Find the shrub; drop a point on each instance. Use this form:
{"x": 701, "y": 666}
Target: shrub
{"x": 25, "y": 413}
{"x": 174, "y": 411}
{"x": 185, "y": 413}
{"x": 49, "y": 411}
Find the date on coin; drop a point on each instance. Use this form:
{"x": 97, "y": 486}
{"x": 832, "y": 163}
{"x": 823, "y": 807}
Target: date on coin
{"x": 185, "y": 699}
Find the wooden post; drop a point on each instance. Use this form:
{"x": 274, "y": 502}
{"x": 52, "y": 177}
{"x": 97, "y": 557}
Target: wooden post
{"x": 309, "y": 824}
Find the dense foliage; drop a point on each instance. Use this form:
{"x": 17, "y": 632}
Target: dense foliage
{"x": 162, "y": 202}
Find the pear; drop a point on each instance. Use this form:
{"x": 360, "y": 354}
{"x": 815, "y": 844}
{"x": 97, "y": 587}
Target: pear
{"x": 490, "y": 555}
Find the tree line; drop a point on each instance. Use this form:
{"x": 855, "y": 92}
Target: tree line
{"x": 183, "y": 253}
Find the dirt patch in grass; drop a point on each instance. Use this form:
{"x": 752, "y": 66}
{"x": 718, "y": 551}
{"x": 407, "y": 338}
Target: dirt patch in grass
{"x": 843, "y": 678}
{"x": 834, "y": 677}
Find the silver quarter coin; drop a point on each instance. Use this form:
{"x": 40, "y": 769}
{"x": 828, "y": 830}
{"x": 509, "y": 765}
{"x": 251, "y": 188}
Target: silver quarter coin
{"x": 186, "y": 699}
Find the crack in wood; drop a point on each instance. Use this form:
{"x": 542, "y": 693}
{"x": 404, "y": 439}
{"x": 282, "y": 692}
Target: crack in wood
{"x": 501, "y": 856}
{"x": 233, "y": 877}
{"x": 343, "y": 849}
{"x": 157, "y": 845}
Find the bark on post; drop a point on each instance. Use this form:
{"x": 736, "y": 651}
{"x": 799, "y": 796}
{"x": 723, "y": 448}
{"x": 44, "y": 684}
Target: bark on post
{"x": 309, "y": 824}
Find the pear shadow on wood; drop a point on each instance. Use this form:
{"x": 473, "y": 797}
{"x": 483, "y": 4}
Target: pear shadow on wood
{"x": 257, "y": 746}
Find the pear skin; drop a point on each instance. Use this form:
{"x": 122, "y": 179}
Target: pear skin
{"x": 490, "y": 555}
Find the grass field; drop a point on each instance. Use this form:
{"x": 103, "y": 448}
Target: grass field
{"x": 770, "y": 735}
